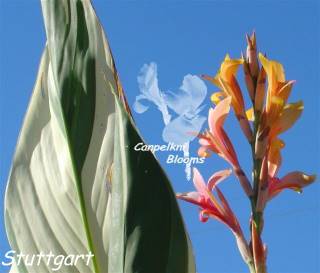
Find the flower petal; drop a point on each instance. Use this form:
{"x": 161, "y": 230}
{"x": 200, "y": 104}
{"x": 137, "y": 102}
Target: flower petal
{"x": 250, "y": 114}
{"x": 229, "y": 67}
{"x": 228, "y": 213}
{"x": 203, "y": 141}
{"x": 276, "y": 81}
{"x": 285, "y": 90}
{"x": 201, "y": 187}
{"x": 191, "y": 197}
{"x": 274, "y": 70}
{"x": 218, "y": 115}
{"x": 232, "y": 89}
{"x": 215, "y": 215}
{"x": 225, "y": 79}
{"x": 274, "y": 156}
{"x": 208, "y": 142}
{"x": 217, "y": 97}
{"x": 289, "y": 116}
{"x": 217, "y": 177}
{"x": 221, "y": 140}
{"x": 203, "y": 151}
{"x": 203, "y": 216}
{"x": 199, "y": 183}
{"x": 294, "y": 181}
{"x": 213, "y": 80}
{"x": 274, "y": 108}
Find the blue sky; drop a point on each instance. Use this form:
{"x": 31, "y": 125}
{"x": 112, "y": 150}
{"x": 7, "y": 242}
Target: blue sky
{"x": 192, "y": 37}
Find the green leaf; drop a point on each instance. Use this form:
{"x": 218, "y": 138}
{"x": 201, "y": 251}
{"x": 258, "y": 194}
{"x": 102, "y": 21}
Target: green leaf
{"x": 76, "y": 184}
{"x": 151, "y": 228}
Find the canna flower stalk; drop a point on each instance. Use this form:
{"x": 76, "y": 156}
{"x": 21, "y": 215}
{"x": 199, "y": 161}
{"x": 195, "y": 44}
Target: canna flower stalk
{"x": 262, "y": 125}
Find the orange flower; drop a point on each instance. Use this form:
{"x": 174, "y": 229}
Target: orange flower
{"x": 226, "y": 80}
{"x": 278, "y": 88}
{"x": 278, "y": 116}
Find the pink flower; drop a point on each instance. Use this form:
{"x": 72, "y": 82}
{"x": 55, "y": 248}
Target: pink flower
{"x": 208, "y": 203}
{"x": 216, "y": 208}
{"x": 293, "y": 180}
{"x": 216, "y": 140}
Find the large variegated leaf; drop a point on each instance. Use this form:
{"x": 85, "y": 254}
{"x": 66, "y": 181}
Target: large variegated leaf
{"x": 76, "y": 183}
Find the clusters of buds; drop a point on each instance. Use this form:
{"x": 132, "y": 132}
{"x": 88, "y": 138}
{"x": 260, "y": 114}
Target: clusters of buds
{"x": 269, "y": 116}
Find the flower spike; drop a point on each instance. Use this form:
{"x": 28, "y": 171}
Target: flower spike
{"x": 268, "y": 116}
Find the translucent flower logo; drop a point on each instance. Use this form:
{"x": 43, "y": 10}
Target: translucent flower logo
{"x": 181, "y": 109}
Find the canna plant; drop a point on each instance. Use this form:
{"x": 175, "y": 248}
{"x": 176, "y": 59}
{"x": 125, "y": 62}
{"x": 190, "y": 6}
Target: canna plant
{"x": 262, "y": 125}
